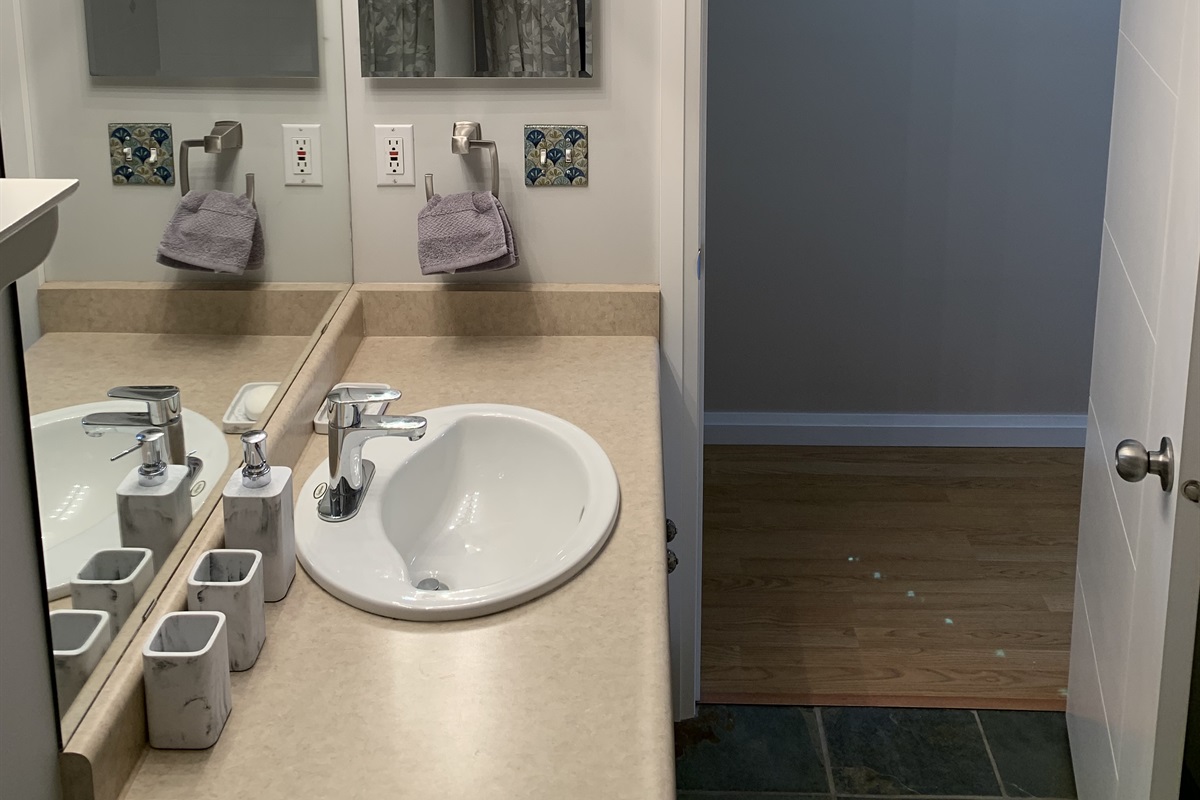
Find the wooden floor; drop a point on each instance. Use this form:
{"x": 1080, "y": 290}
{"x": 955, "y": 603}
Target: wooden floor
{"x": 938, "y": 577}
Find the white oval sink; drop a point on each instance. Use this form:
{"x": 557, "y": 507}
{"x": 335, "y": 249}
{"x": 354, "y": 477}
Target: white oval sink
{"x": 497, "y": 504}
{"x": 77, "y": 484}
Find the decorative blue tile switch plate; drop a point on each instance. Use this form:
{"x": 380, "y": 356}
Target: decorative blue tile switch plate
{"x": 142, "y": 153}
{"x": 556, "y": 155}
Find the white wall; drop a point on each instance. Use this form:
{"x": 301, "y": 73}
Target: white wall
{"x": 605, "y": 233}
{"x": 904, "y": 205}
{"x": 111, "y": 232}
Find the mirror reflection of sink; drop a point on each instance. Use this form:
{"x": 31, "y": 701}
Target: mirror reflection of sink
{"x": 77, "y": 484}
{"x": 495, "y": 506}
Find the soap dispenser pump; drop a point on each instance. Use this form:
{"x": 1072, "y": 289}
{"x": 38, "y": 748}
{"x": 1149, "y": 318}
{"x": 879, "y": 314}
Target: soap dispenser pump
{"x": 154, "y": 501}
{"x": 260, "y": 515}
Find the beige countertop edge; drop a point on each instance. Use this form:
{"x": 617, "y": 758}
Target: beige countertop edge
{"x": 615, "y": 645}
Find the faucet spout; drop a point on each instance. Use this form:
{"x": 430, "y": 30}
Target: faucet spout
{"x": 100, "y": 423}
{"x": 412, "y": 428}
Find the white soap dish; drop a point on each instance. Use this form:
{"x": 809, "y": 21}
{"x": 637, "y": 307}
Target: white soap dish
{"x": 321, "y": 420}
{"x": 247, "y": 407}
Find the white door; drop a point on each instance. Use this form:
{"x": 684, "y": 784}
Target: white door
{"x": 1139, "y": 543}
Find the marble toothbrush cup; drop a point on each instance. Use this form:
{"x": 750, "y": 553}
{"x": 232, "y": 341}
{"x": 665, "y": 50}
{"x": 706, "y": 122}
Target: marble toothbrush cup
{"x": 231, "y": 581}
{"x": 185, "y": 669}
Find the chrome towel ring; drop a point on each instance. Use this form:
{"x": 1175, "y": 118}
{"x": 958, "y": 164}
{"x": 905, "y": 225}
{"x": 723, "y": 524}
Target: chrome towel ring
{"x": 225, "y": 135}
{"x": 464, "y": 139}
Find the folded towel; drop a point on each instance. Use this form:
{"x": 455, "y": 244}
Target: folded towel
{"x": 213, "y": 231}
{"x": 510, "y": 258}
{"x": 464, "y": 232}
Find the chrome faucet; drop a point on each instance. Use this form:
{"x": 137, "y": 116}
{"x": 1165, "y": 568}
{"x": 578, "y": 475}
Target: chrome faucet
{"x": 349, "y": 429}
{"x": 164, "y": 411}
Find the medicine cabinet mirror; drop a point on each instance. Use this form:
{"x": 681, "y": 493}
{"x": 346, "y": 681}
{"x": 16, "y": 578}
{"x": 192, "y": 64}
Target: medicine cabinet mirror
{"x": 212, "y": 39}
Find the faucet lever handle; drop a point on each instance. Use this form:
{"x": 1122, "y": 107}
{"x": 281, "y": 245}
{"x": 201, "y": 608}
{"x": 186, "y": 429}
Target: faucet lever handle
{"x": 123, "y": 453}
{"x": 164, "y": 402}
{"x": 345, "y": 404}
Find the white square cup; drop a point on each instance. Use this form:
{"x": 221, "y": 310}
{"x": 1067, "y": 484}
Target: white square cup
{"x": 78, "y": 639}
{"x": 231, "y": 581}
{"x": 185, "y": 669}
{"x": 113, "y": 581}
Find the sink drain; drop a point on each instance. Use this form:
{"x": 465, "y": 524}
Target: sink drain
{"x": 432, "y": 585}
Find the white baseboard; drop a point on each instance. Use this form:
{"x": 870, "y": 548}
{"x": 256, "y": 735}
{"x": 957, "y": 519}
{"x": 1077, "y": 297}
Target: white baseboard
{"x": 896, "y": 430}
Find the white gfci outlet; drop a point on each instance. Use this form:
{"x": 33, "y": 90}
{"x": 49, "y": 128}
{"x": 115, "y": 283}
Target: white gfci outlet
{"x": 394, "y": 162}
{"x": 394, "y": 149}
{"x": 302, "y": 155}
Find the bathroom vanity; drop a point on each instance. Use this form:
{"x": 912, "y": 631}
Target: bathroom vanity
{"x": 563, "y": 696}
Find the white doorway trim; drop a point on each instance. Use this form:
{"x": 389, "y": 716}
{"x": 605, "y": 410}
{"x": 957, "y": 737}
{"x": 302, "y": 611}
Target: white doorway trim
{"x": 680, "y": 145}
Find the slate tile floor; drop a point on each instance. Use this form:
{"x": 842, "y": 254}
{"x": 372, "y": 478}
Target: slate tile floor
{"x": 733, "y": 752}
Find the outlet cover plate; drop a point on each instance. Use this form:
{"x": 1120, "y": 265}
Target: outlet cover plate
{"x": 312, "y": 132}
{"x": 546, "y": 155}
{"x": 150, "y": 160}
{"x": 384, "y": 171}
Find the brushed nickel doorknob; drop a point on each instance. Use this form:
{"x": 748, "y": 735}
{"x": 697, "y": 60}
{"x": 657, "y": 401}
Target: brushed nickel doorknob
{"x": 1134, "y": 463}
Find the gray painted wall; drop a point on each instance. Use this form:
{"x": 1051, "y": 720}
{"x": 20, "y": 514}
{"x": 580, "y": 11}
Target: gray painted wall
{"x": 905, "y": 203}
{"x": 28, "y": 723}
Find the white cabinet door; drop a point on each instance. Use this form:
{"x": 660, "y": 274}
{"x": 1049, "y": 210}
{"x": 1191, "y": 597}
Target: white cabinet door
{"x": 1139, "y": 545}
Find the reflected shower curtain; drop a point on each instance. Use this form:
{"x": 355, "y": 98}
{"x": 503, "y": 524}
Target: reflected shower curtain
{"x": 534, "y": 38}
{"x": 396, "y": 38}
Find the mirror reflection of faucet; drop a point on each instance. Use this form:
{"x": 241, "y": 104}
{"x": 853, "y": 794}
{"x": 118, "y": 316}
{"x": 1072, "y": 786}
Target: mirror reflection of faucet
{"x": 164, "y": 411}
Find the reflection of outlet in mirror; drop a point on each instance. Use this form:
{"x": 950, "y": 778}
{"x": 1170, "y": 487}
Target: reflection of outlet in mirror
{"x": 394, "y": 164}
{"x": 302, "y": 155}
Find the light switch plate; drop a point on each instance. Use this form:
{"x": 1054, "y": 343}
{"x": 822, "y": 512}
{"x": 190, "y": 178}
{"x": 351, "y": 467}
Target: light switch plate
{"x": 395, "y": 164}
{"x": 547, "y": 160}
{"x": 302, "y": 155}
{"x": 141, "y": 153}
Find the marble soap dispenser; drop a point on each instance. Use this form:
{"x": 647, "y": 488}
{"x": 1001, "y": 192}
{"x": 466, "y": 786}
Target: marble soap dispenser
{"x": 154, "y": 501}
{"x": 260, "y": 515}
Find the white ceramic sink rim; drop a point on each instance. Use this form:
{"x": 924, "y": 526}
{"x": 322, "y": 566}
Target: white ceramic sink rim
{"x": 359, "y": 562}
{"x": 68, "y": 547}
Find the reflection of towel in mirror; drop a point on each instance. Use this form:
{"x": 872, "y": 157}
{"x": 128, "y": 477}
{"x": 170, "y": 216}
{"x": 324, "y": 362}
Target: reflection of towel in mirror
{"x": 466, "y": 232}
{"x": 213, "y": 231}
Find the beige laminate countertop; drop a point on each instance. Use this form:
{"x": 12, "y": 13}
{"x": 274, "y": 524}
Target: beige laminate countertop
{"x": 564, "y": 698}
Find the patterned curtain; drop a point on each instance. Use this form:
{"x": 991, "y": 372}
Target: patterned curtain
{"x": 535, "y": 38}
{"x": 396, "y": 38}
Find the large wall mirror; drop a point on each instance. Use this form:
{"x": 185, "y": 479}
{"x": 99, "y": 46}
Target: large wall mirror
{"x": 476, "y": 38}
{"x": 137, "y": 322}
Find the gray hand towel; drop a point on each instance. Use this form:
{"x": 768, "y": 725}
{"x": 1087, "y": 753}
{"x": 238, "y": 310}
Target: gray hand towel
{"x": 510, "y": 258}
{"x": 213, "y": 231}
{"x": 464, "y": 232}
